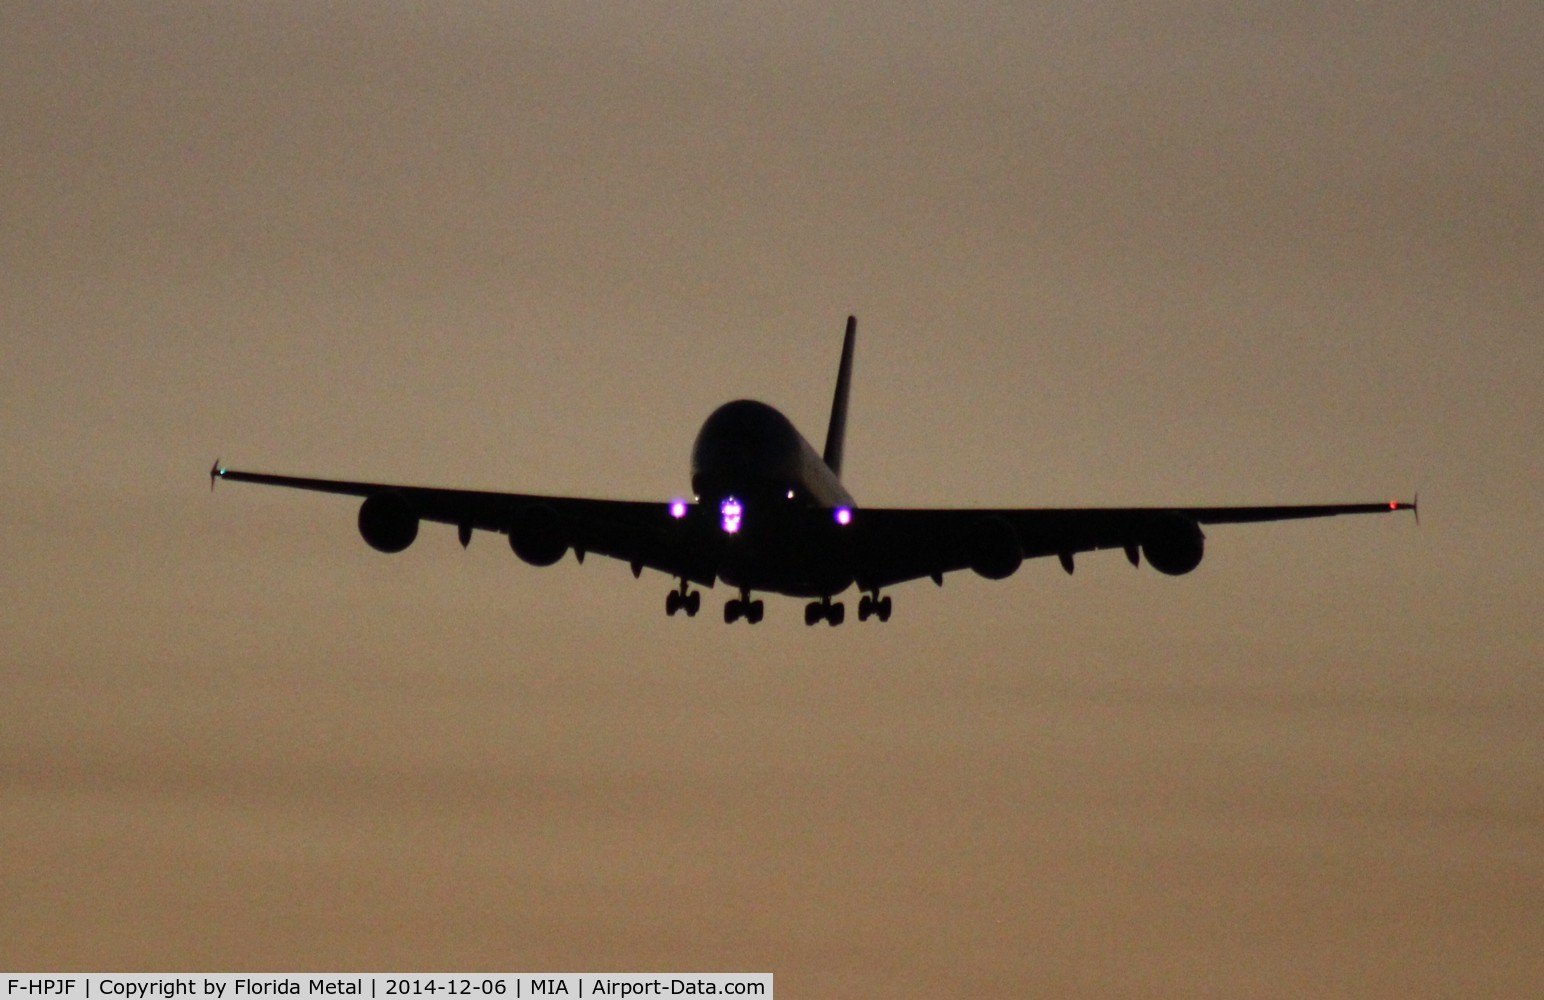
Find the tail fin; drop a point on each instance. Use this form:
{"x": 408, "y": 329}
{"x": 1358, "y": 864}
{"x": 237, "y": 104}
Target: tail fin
{"x": 836, "y": 432}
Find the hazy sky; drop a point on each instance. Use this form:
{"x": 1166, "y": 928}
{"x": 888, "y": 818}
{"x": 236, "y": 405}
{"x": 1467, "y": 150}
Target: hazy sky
{"x": 1100, "y": 254}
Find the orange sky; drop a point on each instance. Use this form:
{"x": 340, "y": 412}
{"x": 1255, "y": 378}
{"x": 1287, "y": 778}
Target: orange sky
{"x": 1098, "y": 256}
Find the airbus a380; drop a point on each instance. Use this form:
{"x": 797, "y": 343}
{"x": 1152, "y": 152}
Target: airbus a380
{"x": 770, "y": 514}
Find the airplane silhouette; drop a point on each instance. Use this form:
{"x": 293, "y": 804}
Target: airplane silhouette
{"x": 770, "y": 514}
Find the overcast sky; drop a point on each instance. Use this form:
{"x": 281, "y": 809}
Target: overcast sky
{"x": 1100, "y": 254}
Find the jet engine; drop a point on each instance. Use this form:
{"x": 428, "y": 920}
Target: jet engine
{"x": 387, "y": 522}
{"x": 1173, "y": 545}
{"x": 994, "y": 548}
{"x": 536, "y": 535}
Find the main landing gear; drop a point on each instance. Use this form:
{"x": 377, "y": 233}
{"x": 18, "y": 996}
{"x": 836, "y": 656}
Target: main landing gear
{"x": 874, "y": 605}
{"x": 834, "y": 613}
{"x": 684, "y": 599}
{"x": 743, "y": 607}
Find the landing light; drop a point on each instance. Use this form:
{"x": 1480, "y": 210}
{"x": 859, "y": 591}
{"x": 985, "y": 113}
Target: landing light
{"x": 678, "y": 509}
{"x": 843, "y": 515}
{"x": 730, "y": 510}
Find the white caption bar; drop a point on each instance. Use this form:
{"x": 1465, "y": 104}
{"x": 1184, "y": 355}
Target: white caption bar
{"x": 380, "y": 985}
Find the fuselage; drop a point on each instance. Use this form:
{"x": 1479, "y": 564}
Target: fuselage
{"x": 776, "y": 505}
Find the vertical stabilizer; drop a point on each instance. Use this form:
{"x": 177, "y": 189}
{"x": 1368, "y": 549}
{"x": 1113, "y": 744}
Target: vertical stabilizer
{"x": 836, "y": 432}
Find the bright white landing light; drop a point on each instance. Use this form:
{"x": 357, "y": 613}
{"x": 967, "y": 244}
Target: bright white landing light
{"x": 843, "y": 515}
{"x": 730, "y": 510}
{"x": 678, "y": 509}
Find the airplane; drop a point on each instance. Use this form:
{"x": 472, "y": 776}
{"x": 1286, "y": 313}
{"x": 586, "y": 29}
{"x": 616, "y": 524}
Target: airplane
{"x": 770, "y": 514}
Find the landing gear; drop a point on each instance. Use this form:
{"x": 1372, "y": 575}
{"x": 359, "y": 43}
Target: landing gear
{"x": 833, "y": 613}
{"x": 743, "y": 607}
{"x": 684, "y": 599}
{"x": 875, "y": 606}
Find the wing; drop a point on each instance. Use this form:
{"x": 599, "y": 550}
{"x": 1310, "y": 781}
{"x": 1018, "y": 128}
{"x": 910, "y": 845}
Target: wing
{"x": 542, "y": 528}
{"x": 894, "y": 545}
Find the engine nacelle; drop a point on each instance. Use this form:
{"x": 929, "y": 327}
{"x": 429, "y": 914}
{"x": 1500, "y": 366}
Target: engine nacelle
{"x": 994, "y": 548}
{"x": 536, "y": 535}
{"x": 388, "y": 522}
{"x": 1174, "y": 545}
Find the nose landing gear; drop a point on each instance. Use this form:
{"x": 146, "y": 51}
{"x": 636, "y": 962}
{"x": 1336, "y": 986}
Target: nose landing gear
{"x": 685, "y": 599}
{"x": 872, "y": 605}
{"x": 743, "y": 607}
{"x": 833, "y": 613}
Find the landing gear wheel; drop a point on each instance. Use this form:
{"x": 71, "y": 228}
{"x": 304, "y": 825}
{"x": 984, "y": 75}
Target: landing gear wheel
{"x": 743, "y": 607}
{"x": 873, "y": 606}
{"x": 683, "y": 598}
{"x": 827, "y": 611}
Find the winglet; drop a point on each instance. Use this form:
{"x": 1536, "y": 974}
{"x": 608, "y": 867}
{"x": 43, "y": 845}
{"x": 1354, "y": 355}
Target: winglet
{"x": 215, "y": 472}
{"x": 1415, "y": 507}
{"x": 836, "y": 431}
